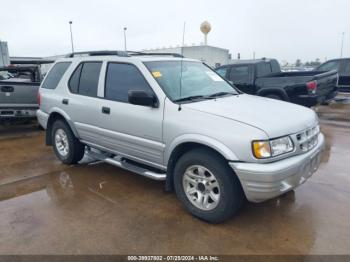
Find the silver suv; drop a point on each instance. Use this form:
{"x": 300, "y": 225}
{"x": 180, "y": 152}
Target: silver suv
{"x": 174, "y": 119}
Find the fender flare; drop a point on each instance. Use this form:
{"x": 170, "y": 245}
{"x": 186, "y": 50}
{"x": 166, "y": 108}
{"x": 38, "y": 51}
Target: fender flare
{"x": 65, "y": 116}
{"x": 279, "y": 91}
{"x": 199, "y": 139}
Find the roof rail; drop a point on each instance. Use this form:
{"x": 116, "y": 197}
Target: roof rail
{"x": 135, "y": 53}
{"x": 99, "y": 53}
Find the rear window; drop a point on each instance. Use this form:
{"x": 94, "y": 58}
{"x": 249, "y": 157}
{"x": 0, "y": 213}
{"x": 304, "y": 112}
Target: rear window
{"x": 329, "y": 66}
{"x": 55, "y": 75}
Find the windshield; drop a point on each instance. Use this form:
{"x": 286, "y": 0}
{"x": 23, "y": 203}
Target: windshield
{"x": 198, "y": 80}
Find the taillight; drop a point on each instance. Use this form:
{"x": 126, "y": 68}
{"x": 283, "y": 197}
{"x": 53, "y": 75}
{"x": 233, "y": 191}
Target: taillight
{"x": 39, "y": 99}
{"x": 311, "y": 86}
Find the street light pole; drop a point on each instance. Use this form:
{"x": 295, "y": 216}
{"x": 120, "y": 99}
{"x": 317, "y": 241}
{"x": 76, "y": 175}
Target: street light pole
{"x": 342, "y": 44}
{"x": 125, "y": 28}
{"x": 71, "y": 35}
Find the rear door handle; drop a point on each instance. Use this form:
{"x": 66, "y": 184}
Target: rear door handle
{"x": 106, "y": 110}
{"x": 65, "y": 101}
{"x": 7, "y": 89}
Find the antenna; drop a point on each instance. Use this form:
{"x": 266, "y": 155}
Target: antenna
{"x": 182, "y": 53}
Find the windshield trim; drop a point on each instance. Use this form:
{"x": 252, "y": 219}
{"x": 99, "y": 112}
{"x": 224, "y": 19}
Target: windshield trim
{"x": 235, "y": 89}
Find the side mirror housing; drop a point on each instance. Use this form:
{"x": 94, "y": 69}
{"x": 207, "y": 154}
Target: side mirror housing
{"x": 142, "y": 98}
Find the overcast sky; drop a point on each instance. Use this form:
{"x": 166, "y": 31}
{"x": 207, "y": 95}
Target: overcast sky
{"x": 283, "y": 29}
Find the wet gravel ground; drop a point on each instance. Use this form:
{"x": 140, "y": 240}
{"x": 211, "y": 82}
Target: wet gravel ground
{"x": 95, "y": 208}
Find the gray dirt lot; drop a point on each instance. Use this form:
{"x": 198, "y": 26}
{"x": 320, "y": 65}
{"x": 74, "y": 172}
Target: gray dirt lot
{"x": 95, "y": 208}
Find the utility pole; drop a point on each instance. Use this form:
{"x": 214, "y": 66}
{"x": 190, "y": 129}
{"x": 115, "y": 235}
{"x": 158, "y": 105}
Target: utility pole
{"x": 125, "y": 28}
{"x": 342, "y": 44}
{"x": 71, "y": 35}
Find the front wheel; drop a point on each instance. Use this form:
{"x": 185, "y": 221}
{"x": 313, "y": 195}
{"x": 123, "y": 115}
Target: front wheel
{"x": 66, "y": 146}
{"x": 207, "y": 186}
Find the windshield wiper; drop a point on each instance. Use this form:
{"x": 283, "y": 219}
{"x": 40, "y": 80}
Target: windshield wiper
{"x": 190, "y": 98}
{"x": 220, "y": 94}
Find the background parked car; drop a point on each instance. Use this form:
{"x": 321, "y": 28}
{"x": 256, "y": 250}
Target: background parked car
{"x": 264, "y": 77}
{"x": 19, "y": 86}
{"x": 342, "y": 66}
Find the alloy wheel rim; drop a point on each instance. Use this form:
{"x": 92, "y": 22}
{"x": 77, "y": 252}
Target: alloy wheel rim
{"x": 201, "y": 187}
{"x": 61, "y": 142}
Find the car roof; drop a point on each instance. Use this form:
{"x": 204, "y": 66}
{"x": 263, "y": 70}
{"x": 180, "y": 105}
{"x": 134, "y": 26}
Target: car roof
{"x": 107, "y": 55}
{"x": 125, "y": 59}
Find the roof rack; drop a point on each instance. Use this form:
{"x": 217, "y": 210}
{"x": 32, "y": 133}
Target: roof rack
{"x": 99, "y": 53}
{"x": 135, "y": 53}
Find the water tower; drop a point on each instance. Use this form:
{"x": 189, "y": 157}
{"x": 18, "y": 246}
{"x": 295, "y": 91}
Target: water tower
{"x": 205, "y": 28}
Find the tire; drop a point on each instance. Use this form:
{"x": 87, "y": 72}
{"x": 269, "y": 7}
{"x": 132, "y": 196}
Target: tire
{"x": 227, "y": 186}
{"x": 273, "y": 96}
{"x": 65, "y": 145}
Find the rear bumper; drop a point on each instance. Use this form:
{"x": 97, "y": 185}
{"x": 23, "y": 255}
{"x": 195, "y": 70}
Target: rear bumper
{"x": 17, "y": 113}
{"x": 265, "y": 181}
{"x": 42, "y": 118}
{"x": 312, "y": 100}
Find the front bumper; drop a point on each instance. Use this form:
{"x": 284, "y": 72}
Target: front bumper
{"x": 264, "y": 181}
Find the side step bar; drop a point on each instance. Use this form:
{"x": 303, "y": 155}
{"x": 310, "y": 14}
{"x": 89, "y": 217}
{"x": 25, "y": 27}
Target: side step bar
{"x": 119, "y": 162}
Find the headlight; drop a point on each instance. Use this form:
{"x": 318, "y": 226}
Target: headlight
{"x": 271, "y": 148}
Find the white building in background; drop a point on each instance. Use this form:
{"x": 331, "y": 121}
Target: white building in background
{"x": 211, "y": 55}
{"x": 4, "y": 54}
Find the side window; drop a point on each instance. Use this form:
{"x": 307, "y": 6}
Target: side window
{"x": 347, "y": 67}
{"x": 328, "y": 66}
{"x": 222, "y": 71}
{"x": 89, "y": 76}
{"x": 263, "y": 69}
{"x": 84, "y": 80}
{"x": 121, "y": 78}
{"x": 239, "y": 74}
{"x": 55, "y": 75}
{"x": 74, "y": 80}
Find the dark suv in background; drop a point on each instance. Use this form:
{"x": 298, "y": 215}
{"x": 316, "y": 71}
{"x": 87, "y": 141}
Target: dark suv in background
{"x": 342, "y": 66}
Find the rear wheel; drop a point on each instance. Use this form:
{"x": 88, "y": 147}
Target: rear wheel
{"x": 207, "y": 186}
{"x": 66, "y": 146}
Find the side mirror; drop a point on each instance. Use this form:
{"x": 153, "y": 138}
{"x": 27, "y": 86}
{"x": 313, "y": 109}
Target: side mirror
{"x": 142, "y": 98}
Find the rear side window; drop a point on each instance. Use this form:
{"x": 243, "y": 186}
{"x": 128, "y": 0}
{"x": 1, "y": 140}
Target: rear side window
{"x": 55, "y": 75}
{"x": 121, "y": 78}
{"x": 263, "y": 69}
{"x": 347, "y": 67}
{"x": 74, "y": 80}
{"x": 84, "y": 80}
{"x": 239, "y": 74}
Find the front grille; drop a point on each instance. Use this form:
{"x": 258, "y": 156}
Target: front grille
{"x": 307, "y": 139}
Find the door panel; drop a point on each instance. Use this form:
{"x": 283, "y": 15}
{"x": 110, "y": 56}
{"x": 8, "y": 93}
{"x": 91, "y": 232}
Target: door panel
{"x": 132, "y": 130}
{"x": 241, "y": 76}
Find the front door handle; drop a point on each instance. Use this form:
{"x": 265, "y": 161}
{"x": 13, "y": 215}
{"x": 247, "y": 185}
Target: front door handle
{"x": 7, "y": 89}
{"x": 106, "y": 110}
{"x": 65, "y": 101}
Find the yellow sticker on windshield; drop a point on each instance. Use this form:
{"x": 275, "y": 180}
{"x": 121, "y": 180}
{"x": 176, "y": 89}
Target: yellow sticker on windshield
{"x": 156, "y": 74}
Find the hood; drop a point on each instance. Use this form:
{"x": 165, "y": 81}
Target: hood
{"x": 275, "y": 118}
